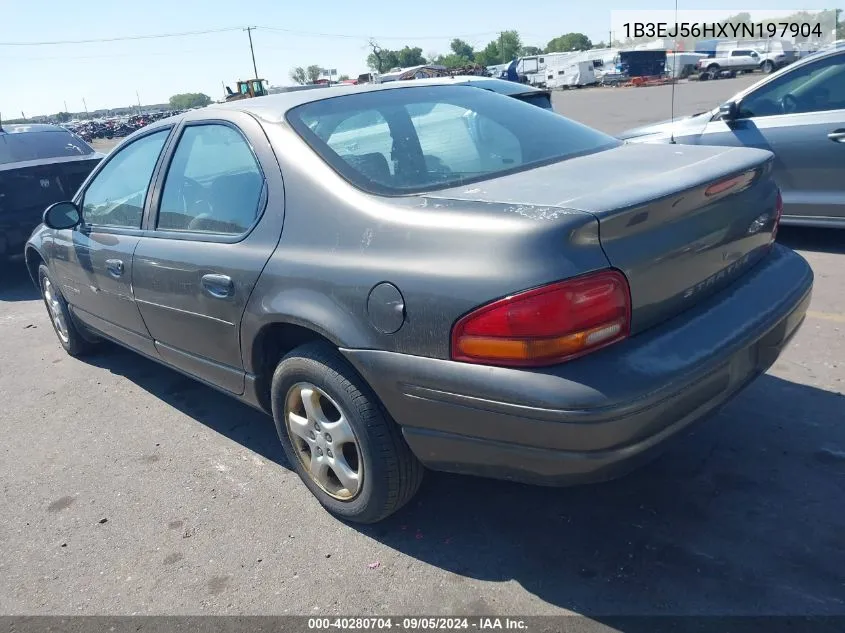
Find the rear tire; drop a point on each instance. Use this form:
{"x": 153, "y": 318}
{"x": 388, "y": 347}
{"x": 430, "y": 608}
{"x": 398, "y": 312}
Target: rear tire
{"x": 70, "y": 337}
{"x": 767, "y": 67}
{"x": 315, "y": 383}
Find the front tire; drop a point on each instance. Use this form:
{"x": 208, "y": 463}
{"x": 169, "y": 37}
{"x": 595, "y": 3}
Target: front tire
{"x": 69, "y": 335}
{"x": 339, "y": 439}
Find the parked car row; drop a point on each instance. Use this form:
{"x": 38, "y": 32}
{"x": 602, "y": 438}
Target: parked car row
{"x": 411, "y": 275}
{"x": 116, "y": 127}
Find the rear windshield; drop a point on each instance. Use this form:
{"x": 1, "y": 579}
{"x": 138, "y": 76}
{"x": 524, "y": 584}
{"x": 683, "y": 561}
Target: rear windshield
{"x": 417, "y": 139}
{"x": 21, "y": 146}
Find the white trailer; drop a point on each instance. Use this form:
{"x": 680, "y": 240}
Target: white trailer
{"x": 570, "y": 74}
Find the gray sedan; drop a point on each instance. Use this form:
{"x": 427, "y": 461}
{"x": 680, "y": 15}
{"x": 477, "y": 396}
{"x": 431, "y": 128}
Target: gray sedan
{"x": 799, "y": 114}
{"x": 417, "y": 275}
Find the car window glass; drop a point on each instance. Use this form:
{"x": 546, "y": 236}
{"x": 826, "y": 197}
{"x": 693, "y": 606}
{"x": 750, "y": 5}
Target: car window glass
{"x": 365, "y": 142}
{"x": 115, "y": 197}
{"x": 25, "y": 145}
{"x": 457, "y": 140}
{"x": 213, "y": 184}
{"x": 812, "y": 88}
{"x": 426, "y": 138}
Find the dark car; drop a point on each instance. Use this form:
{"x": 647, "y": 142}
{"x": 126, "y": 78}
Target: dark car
{"x": 39, "y": 165}
{"x": 799, "y": 114}
{"x": 408, "y": 275}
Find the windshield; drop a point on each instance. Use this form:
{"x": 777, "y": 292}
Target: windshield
{"x": 22, "y": 146}
{"x": 417, "y": 139}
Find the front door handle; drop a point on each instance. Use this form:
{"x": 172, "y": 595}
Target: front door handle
{"x": 837, "y": 136}
{"x": 115, "y": 267}
{"x": 218, "y": 286}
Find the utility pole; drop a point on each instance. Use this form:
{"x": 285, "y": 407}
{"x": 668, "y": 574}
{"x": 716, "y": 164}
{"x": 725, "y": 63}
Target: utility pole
{"x": 85, "y": 105}
{"x": 65, "y": 106}
{"x": 249, "y": 31}
{"x": 139, "y": 101}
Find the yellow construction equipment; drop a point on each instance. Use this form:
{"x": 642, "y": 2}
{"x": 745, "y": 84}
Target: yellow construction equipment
{"x": 247, "y": 90}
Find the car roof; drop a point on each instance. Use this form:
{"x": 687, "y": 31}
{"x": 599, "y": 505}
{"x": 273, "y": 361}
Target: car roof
{"x": 272, "y": 108}
{"x": 22, "y": 128}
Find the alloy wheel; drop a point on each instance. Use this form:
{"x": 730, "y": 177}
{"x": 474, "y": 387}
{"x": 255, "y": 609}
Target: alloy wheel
{"x": 324, "y": 441}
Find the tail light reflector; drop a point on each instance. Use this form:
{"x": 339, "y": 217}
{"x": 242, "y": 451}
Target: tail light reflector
{"x": 547, "y": 325}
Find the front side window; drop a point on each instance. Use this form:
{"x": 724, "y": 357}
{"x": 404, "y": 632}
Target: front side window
{"x": 117, "y": 193}
{"x": 213, "y": 184}
{"x": 815, "y": 87}
{"x": 417, "y": 139}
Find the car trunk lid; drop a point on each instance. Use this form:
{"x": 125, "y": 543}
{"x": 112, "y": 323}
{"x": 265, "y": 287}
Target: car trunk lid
{"x": 681, "y": 222}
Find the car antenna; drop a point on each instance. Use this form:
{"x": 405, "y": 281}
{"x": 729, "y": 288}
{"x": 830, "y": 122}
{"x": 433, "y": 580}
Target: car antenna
{"x": 674, "y": 79}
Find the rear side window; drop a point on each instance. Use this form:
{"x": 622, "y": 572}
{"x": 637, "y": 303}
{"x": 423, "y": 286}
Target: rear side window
{"x": 22, "y": 146}
{"x": 416, "y": 139}
{"x": 213, "y": 184}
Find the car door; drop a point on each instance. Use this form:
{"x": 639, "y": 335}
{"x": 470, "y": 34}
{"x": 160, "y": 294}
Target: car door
{"x": 800, "y": 116}
{"x": 215, "y": 219}
{"x": 93, "y": 262}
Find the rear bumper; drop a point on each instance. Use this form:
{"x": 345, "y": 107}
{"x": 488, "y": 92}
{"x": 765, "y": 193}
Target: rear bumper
{"x": 600, "y": 416}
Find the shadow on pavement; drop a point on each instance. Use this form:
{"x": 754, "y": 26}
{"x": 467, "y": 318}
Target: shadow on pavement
{"x": 15, "y": 283}
{"x": 745, "y": 515}
{"x": 801, "y": 238}
{"x": 219, "y": 412}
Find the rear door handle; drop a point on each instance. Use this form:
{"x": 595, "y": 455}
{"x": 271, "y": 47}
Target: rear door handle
{"x": 218, "y": 286}
{"x": 115, "y": 267}
{"x": 837, "y": 136}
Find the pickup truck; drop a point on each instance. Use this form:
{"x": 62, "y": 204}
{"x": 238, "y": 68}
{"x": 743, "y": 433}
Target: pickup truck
{"x": 743, "y": 60}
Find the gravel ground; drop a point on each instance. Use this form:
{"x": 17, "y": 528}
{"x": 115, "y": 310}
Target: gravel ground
{"x": 128, "y": 488}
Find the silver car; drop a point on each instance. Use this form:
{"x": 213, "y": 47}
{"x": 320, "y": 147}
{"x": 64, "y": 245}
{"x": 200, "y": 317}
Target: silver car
{"x": 799, "y": 114}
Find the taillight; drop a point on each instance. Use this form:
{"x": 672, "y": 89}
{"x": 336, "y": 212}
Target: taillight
{"x": 547, "y": 325}
{"x": 778, "y": 213}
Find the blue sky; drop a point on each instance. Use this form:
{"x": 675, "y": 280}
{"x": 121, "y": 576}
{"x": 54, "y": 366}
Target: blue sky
{"x": 40, "y": 79}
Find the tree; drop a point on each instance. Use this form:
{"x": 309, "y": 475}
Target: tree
{"x": 410, "y": 57}
{"x": 62, "y": 117}
{"x": 382, "y": 59}
{"x": 452, "y": 60}
{"x": 188, "y": 100}
{"x": 313, "y": 73}
{"x": 502, "y": 50}
{"x": 343, "y": 78}
{"x": 840, "y": 29}
{"x": 298, "y": 75}
{"x": 569, "y": 42}
{"x": 510, "y": 45}
{"x": 462, "y": 49}
{"x": 530, "y": 50}
{"x": 489, "y": 55}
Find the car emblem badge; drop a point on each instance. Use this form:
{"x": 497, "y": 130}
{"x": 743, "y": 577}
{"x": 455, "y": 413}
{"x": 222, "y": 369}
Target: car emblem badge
{"x": 758, "y": 223}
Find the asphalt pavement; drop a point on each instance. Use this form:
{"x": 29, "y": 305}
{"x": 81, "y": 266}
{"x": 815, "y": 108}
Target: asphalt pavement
{"x": 130, "y": 489}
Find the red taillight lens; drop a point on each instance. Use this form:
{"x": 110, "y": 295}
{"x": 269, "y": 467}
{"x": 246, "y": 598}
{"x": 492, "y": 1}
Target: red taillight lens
{"x": 778, "y": 213}
{"x": 547, "y": 325}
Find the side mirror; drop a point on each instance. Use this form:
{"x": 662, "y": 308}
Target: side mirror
{"x": 729, "y": 111}
{"x": 62, "y": 215}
